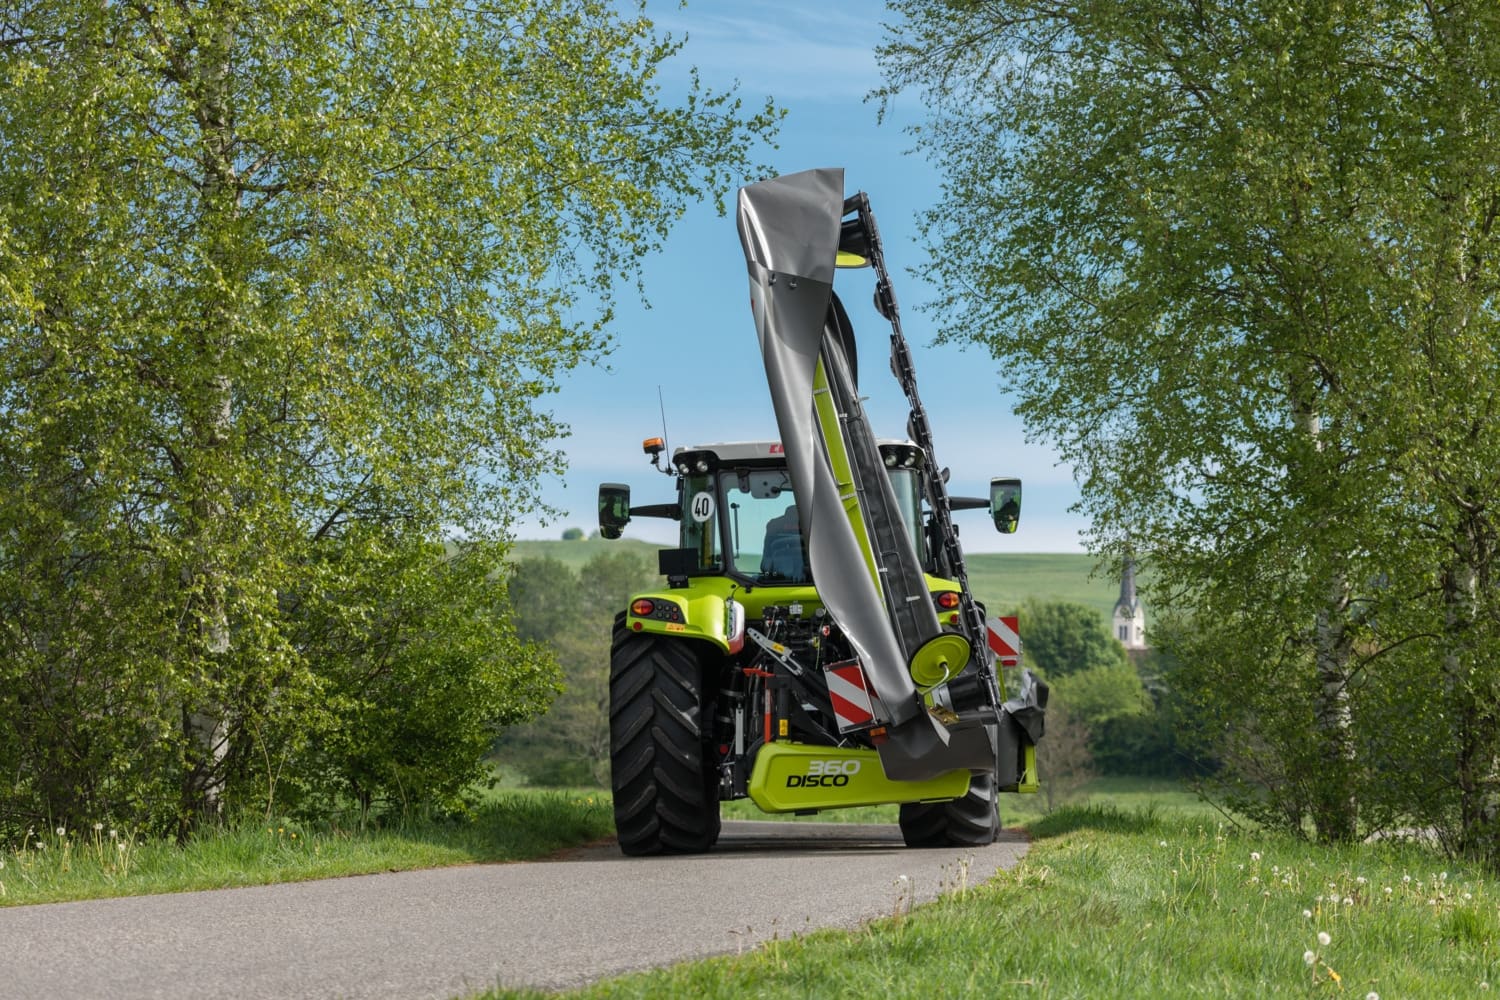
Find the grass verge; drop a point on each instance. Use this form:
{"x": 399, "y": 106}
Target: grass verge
{"x": 509, "y": 825}
{"x": 1146, "y": 903}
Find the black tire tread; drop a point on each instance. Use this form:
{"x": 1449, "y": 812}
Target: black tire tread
{"x": 665, "y": 791}
{"x": 970, "y": 821}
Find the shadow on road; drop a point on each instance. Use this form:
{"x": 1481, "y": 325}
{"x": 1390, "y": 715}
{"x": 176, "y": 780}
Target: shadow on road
{"x": 781, "y": 839}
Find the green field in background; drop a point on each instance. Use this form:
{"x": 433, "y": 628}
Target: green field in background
{"x": 1002, "y": 581}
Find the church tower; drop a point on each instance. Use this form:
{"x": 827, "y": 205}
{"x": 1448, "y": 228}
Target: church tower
{"x": 1130, "y": 615}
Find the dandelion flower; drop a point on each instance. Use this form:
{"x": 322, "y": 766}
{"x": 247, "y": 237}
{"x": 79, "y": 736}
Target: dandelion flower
{"x": 98, "y": 827}
{"x": 1361, "y": 880}
{"x": 114, "y": 834}
{"x": 1307, "y": 914}
{"x": 62, "y": 831}
{"x": 1406, "y": 878}
{"x": 1348, "y": 901}
{"x": 1387, "y": 890}
{"x": 1309, "y": 957}
{"x": 1161, "y": 843}
{"x": 1254, "y": 855}
{"x": 1324, "y": 939}
{"x": 1372, "y": 995}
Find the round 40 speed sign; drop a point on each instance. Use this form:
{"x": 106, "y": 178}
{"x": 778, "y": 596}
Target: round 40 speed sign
{"x": 703, "y": 506}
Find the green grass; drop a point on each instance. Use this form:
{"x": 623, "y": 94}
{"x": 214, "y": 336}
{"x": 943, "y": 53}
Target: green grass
{"x": 1146, "y": 902}
{"x": 1003, "y": 581}
{"x": 510, "y": 825}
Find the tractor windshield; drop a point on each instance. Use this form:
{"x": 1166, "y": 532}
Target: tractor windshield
{"x": 764, "y": 531}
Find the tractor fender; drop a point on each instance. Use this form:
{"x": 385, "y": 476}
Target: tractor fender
{"x": 685, "y": 614}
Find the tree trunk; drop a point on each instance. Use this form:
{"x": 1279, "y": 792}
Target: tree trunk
{"x": 212, "y": 412}
{"x": 1476, "y": 772}
{"x": 1335, "y": 808}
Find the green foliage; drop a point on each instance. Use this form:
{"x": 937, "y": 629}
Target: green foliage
{"x": 100, "y": 861}
{"x": 1062, "y": 638}
{"x": 1145, "y": 744}
{"x": 1242, "y": 273}
{"x": 410, "y": 708}
{"x": 571, "y": 615}
{"x": 281, "y": 288}
{"x": 1101, "y": 694}
{"x": 572, "y": 535}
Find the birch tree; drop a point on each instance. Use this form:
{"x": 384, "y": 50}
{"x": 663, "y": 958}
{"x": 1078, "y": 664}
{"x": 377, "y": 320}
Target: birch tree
{"x": 1237, "y": 261}
{"x": 285, "y": 288}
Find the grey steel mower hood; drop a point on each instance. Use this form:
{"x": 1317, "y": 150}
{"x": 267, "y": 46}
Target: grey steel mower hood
{"x": 789, "y": 227}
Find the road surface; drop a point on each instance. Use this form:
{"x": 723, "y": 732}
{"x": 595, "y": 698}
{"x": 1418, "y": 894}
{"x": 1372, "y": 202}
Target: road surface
{"x": 450, "y": 932}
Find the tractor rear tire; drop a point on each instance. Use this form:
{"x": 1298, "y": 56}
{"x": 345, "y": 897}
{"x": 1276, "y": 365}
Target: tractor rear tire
{"x": 665, "y": 785}
{"x": 972, "y": 821}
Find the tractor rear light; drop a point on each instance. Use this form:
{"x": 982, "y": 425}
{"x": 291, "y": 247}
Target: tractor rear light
{"x": 658, "y": 610}
{"x": 947, "y": 600}
{"x": 637, "y": 626}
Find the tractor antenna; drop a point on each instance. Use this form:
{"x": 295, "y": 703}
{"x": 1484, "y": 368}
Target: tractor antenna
{"x": 662, "y": 403}
{"x": 655, "y": 446}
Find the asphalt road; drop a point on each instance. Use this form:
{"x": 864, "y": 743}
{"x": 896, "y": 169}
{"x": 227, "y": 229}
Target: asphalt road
{"x": 450, "y": 932}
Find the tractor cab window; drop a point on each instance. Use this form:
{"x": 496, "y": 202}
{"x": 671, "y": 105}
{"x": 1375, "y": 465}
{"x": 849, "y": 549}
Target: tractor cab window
{"x": 908, "y": 490}
{"x": 765, "y": 540}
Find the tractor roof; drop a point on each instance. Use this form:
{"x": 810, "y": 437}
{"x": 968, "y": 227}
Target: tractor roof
{"x": 750, "y": 451}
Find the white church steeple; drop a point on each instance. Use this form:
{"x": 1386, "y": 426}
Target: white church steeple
{"x": 1130, "y": 614}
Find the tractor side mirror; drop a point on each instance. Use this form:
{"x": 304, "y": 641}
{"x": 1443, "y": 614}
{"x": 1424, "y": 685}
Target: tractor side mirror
{"x": 1005, "y": 504}
{"x": 614, "y": 508}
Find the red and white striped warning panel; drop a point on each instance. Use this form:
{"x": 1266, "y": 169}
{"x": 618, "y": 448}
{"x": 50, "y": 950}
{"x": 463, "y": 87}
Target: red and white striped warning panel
{"x": 850, "y": 693}
{"x": 1005, "y": 639}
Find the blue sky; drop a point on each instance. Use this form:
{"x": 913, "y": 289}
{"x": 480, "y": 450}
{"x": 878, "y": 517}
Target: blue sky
{"x": 696, "y": 339}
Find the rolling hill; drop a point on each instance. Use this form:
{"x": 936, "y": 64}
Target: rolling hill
{"x": 1001, "y": 580}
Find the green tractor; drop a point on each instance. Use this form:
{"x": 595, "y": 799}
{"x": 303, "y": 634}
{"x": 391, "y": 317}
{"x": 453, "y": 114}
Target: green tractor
{"x": 816, "y": 645}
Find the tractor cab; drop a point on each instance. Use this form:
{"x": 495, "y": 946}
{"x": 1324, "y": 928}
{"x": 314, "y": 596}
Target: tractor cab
{"x": 738, "y": 511}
